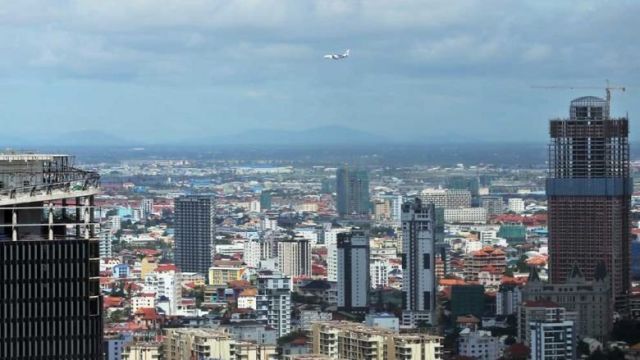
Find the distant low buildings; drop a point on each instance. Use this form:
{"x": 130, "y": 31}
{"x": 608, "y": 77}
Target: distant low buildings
{"x": 207, "y": 343}
{"x": 515, "y": 205}
{"x": 348, "y": 340}
{"x": 447, "y": 198}
{"x": 142, "y": 351}
{"x": 479, "y": 345}
{"x": 552, "y": 340}
{"x": 488, "y": 257}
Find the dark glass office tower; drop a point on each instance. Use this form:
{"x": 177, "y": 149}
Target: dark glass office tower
{"x": 195, "y": 233}
{"x": 50, "y": 303}
{"x": 353, "y": 271}
{"x": 589, "y": 191}
{"x": 353, "y": 192}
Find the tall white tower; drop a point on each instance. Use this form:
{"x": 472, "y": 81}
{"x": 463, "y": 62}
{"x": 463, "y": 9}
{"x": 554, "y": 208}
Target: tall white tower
{"x": 418, "y": 262}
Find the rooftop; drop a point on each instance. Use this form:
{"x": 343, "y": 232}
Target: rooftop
{"x": 30, "y": 178}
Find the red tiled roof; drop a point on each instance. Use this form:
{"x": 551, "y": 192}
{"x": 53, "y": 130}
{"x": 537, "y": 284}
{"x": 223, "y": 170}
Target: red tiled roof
{"x": 239, "y": 284}
{"x": 166, "y": 267}
{"x": 249, "y": 292}
{"x": 147, "y": 313}
{"x": 148, "y": 252}
{"x": 113, "y": 301}
{"x": 513, "y": 280}
{"x": 451, "y": 282}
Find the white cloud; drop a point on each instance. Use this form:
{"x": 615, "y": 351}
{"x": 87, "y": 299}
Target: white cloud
{"x": 537, "y": 52}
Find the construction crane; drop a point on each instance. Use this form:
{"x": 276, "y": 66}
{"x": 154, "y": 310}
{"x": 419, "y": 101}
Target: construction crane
{"x": 607, "y": 88}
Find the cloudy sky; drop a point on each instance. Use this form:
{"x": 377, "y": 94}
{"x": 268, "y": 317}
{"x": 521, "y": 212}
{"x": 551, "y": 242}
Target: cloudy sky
{"x": 171, "y": 70}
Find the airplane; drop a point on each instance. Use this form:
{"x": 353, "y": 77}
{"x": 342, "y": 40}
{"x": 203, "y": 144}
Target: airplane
{"x": 338, "y": 56}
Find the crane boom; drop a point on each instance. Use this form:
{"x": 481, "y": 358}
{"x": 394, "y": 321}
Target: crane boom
{"x": 607, "y": 88}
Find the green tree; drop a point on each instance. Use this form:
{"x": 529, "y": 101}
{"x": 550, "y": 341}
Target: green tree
{"x": 583, "y": 348}
{"x": 597, "y": 355}
{"x": 117, "y": 316}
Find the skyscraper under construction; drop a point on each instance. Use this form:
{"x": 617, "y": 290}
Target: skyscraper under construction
{"x": 589, "y": 191}
{"x": 50, "y": 302}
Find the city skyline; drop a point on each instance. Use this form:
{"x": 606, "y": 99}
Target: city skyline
{"x": 186, "y": 70}
{"x": 324, "y": 179}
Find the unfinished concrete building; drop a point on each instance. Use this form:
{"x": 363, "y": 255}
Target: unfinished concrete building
{"x": 50, "y": 307}
{"x": 589, "y": 190}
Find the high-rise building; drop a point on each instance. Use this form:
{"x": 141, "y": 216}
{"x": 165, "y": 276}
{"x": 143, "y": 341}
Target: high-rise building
{"x": 265, "y": 200}
{"x": 331, "y": 242}
{"x": 274, "y": 301}
{"x": 467, "y": 300}
{"x": 253, "y": 253}
{"x": 545, "y": 311}
{"x": 474, "y": 215}
{"x": 353, "y": 271}
{"x": 515, "y": 205}
{"x": 294, "y": 256}
{"x": 493, "y": 204}
{"x": 508, "y": 299}
{"x": 50, "y": 302}
{"x": 418, "y": 263}
{"x": 464, "y": 183}
{"x": 447, "y": 198}
{"x": 166, "y": 284}
{"x": 353, "y": 192}
{"x": 146, "y": 207}
{"x": 589, "y": 192}
{"x": 105, "y": 244}
{"x": 194, "y": 233}
{"x": 379, "y": 269}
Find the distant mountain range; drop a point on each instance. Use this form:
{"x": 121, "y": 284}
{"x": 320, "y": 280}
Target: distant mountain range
{"x": 325, "y": 135}
{"x": 72, "y": 138}
{"x": 315, "y": 136}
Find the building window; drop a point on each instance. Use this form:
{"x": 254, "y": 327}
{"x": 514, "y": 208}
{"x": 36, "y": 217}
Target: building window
{"x": 426, "y": 261}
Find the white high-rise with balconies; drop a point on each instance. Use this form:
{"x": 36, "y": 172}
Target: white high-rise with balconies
{"x": 274, "y": 301}
{"x": 418, "y": 263}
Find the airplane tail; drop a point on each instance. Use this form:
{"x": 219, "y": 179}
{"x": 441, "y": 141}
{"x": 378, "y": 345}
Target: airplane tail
{"x": 346, "y": 53}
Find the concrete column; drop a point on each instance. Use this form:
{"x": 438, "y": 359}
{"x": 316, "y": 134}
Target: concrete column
{"x": 78, "y": 218}
{"x": 92, "y": 210}
{"x": 86, "y": 217}
{"x": 14, "y": 222}
{"x": 50, "y": 221}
